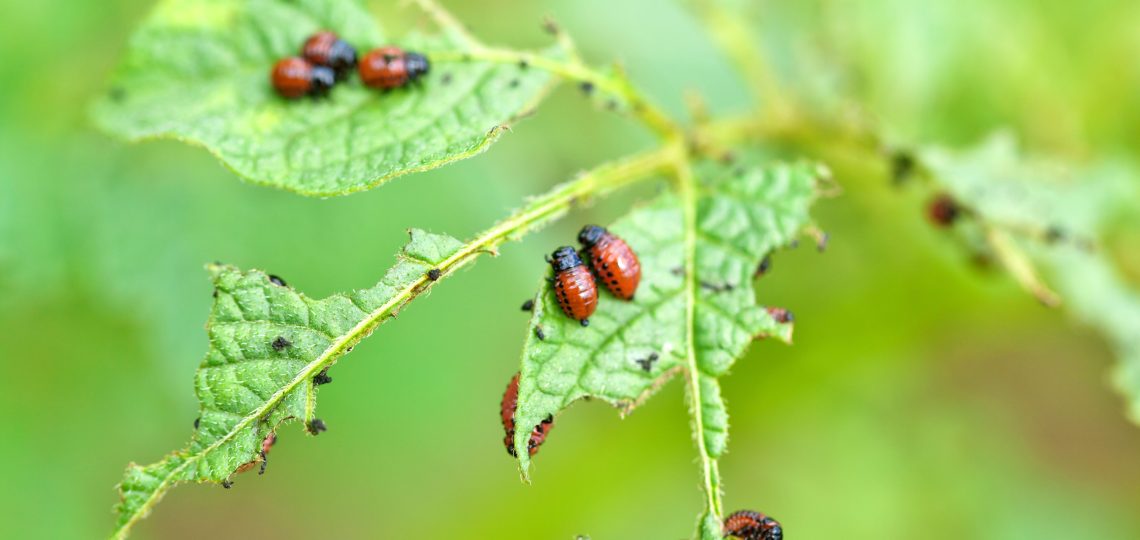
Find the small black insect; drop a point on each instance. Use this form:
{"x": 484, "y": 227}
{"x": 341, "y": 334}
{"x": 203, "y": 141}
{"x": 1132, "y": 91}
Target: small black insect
{"x": 647, "y": 363}
{"x": 528, "y": 305}
{"x": 197, "y": 421}
{"x": 587, "y": 87}
{"x": 277, "y": 281}
{"x": 227, "y": 484}
{"x": 322, "y": 377}
{"x": 677, "y": 271}
{"x": 538, "y": 333}
{"x": 215, "y": 295}
{"x": 317, "y": 426}
{"x": 281, "y": 344}
{"x": 434, "y": 274}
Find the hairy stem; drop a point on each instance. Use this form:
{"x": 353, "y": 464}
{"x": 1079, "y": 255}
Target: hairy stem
{"x": 735, "y": 38}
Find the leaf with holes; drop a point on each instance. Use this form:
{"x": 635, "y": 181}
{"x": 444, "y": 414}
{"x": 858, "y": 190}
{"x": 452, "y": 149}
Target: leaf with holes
{"x": 267, "y": 343}
{"x": 198, "y": 71}
{"x": 694, "y": 314}
{"x": 1037, "y": 213}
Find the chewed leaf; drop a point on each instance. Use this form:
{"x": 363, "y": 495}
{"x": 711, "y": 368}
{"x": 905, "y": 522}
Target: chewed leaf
{"x": 198, "y": 71}
{"x": 1055, "y": 217}
{"x": 267, "y": 343}
{"x": 631, "y": 348}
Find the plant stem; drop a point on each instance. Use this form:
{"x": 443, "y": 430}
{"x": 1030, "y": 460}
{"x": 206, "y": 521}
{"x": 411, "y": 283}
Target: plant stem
{"x": 731, "y": 33}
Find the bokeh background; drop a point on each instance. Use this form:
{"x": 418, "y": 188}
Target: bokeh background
{"x": 922, "y": 399}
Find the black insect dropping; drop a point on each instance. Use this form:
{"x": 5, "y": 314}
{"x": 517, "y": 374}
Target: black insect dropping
{"x": 538, "y": 333}
{"x": 528, "y": 305}
{"x": 677, "y": 271}
{"x": 513, "y": 84}
{"x": 647, "y": 362}
{"x": 281, "y": 344}
{"x": 317, "y": 426}
{"x": 445, "y": 79}
{"x": 1054, "y": 234}
{"x": 276, "y": 280}
{"x": 322, "y": 377}
{"x": 587, "y": 87}
{"x": 434, "y": 274}
{"x": 765, "y": 265}
{"x": 902, "y": 166}
{"x": 714, "y": 287}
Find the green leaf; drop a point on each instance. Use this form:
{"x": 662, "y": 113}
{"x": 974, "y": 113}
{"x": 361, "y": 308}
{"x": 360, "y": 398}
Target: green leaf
{"x": 198, "y": 71}
{"x": 1054, "y": 216}
{"x": 696, "y": 325}
{"x": 267, "y": 342}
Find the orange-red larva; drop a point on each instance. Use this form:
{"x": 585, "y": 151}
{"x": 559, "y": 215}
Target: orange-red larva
{"x": 943, "y": 210}
{"x": 392, "y": 67}
{"x": 749, "y": 525}
{"x": 612, "y": 259}
{"x": 507, "y": 410}
{"x": 574, "y": 286}
{"x": 295, "y": 77}
{"x": 325, "y": 48}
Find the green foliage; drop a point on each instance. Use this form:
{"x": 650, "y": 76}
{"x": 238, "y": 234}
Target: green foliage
{"x": 1034, "y": 211}
{"x": 198, "y": 71}
{"x": 267, "y": 342}
{"x": 742, "y": 214}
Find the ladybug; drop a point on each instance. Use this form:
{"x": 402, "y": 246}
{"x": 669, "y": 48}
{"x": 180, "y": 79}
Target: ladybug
{"x": 295, "y": 77}
{"x": 613, "y": 260}
{"x": 266, "y": 444}
{"x": 507, "y": 411}
{"x": 327, "y": 49}
{"x": 392, "y": 67}
{"x": 574, "y": 286}
{"x": 943, "y": 210}
{"x": 749, "y": 525}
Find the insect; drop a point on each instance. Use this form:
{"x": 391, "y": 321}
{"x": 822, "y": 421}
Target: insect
{"x": 322, "y": 377}
{"x": 749, "y": 525}
{"x": 295, "y": 77}
{"x": 434, "y": 274}
{"x": 507, "y": 411}
{"x": 613, "y": 260}
{"x": 943, "y": 210}
{"x": 574, "y": 286}
{"x": 782, "y": 315}
{"x": 647, "y": 362}
{"x": 266, "y": 444}
{"x": 392, "y": 67}
{"x": 276, "y": 280}
{"x": 327, "y": 49}
{"x": 528, "y": 305}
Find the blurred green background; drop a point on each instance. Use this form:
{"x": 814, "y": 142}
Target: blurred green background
{"x": 922, "y": 399}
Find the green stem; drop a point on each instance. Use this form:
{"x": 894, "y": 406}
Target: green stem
{"x": 710, "y": 473}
